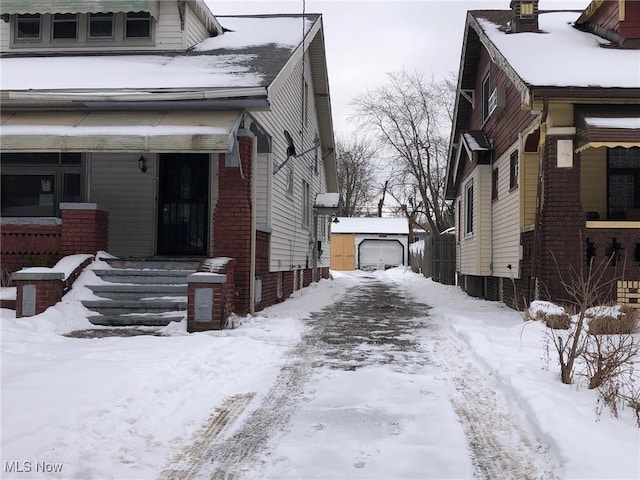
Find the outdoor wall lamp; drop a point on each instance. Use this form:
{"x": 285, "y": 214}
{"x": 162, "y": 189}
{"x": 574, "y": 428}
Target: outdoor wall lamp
{"x": 142, "y": 164}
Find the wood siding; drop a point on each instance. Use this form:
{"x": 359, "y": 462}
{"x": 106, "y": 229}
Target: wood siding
{"x": 607, "y": 16}
{"x": 506, "y": 223}
{"x": 290, "y": 240}
{"x": 194, "y": 30}
{"x": 593, "y": 186}
{"x": 529, "y": 167}
{"x": 118, "y": 187}
{"x": 505, "y": 128}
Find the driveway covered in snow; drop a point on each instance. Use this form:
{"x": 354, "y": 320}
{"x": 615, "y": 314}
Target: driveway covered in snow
{"x": 370, "y": 375}
{"x": 374, "y": 389}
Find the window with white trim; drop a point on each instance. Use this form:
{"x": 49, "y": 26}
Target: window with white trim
{"x": 486, "y": 93}
{"x": 468, "y": 213}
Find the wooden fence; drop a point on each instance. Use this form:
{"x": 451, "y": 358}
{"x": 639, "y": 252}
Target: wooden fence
{"x": 435, "y": 257}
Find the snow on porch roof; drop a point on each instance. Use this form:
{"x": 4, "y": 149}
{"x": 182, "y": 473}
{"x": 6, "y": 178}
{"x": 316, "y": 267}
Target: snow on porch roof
{"x": 119, "y": 131}
{"x": 388, "y": 225}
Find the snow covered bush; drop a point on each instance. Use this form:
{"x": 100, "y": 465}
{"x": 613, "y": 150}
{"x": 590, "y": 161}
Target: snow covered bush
{"x": 553, "y": 316}
{"x": 612, "y": 320}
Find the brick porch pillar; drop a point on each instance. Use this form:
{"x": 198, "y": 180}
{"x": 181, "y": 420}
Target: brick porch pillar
{"x": 37, "y": 290}
{"x": 85, "y": 228}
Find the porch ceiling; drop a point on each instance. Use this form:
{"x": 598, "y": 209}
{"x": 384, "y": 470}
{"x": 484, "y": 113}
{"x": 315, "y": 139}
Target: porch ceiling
{"x": 179, "y": 131}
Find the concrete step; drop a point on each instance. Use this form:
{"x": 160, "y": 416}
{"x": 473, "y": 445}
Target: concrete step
{"x": 138, "y": 292}
{"x": 145, "y": 277}
{"x": 154, "y": 263}
{"x": 120, "y": 307}
{"x": 134, "y": 320}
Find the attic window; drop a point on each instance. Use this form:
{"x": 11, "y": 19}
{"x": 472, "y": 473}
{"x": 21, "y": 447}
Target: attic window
{"x": 526, "y": 9}
{"x": 28, "y": 27}
{"x": 138, "y": 25}
{"x": 486, "y": 94}
{"x": 65, "y": 26}
{"x": 100, "y": 25}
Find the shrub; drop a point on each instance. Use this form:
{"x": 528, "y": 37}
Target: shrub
{"x": 612, "y": 321}
{"x": 551, "y": 315}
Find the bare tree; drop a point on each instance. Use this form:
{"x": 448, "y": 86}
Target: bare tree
{"x": 411, "y": 118}
{"x": 356, "y": 175}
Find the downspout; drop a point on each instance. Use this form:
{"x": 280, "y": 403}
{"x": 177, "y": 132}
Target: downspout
{"x": 535, "y": 254}
{"x": 252, "y": 261}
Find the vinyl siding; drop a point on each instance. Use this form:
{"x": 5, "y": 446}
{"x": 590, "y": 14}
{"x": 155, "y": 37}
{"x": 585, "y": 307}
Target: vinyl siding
{"x": 128, "y": 195}
{"x": 475, "y": 249}
{"x": 593, "y": 184}
{"x": 263, "y": 191}
{"x": 290, "y": 240}
{"x": 195, "y": 31}
{"x": 505, "y": 220}
{"x": 168, "y": 35}
{"x": 529, "y": 163}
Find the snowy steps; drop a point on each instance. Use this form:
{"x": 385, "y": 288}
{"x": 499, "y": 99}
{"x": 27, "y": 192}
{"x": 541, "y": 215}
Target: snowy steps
{"x": 141, "y": 292}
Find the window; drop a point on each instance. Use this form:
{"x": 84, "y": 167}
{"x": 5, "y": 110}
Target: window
{"x": 486, "y": 93}
{"x": 526, "y": 9}
{"x": 65, "y": 26}
{"x": 34, "y": 184}
{"x": 305, "y": 106}
{"x": 28, "y": 27}
{"x": 100, "y": 25}
{"x": 514, "y": 170}
{"x": 306, "y": 203}
{"x": 494, "y": 184}
{"x": 459, "y": 219}
{"x": 468, "y": 214}
{"x": 137, "y": 25}
{"x": 623, "y": 182}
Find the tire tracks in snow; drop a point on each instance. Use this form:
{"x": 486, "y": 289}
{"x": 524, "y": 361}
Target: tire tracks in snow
{"x": 502, "y": 444}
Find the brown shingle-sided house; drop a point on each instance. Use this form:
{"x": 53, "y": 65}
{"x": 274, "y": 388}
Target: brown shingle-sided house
{"x": 150, "y": 128}
{"x": 544, "y": 163}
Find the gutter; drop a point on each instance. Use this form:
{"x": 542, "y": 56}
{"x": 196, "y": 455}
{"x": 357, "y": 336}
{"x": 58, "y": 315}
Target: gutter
{"x": 137, "y": 95}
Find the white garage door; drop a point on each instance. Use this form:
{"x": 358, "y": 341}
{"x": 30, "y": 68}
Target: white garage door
{"x": 380, "y": 254}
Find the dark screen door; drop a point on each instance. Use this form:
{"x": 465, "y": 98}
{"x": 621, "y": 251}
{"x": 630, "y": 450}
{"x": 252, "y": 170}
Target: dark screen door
{"x": 182, "y": 204}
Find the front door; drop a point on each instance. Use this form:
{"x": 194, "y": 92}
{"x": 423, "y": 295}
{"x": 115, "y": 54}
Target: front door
{"x": 182, "y": 204}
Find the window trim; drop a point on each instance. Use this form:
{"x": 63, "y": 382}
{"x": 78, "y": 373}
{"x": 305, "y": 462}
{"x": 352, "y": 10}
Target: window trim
{"x": 83, "y": 39}
{"x": 514, "y": 170}
{"x": 468, "y": 208}
{"x": 306, "y": 204}
{"x": 485, "y": 88}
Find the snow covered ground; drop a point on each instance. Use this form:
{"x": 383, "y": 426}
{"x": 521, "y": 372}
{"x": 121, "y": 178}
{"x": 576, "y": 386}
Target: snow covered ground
{"x": 123, "y": 408}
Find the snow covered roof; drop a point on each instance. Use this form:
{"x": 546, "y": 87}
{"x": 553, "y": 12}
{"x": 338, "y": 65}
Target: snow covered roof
{"x": 561, "y": 55}
{"x": 251, "y": 55}
{"x": 387, "y": 225}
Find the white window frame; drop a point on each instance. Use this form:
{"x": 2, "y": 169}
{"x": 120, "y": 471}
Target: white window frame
{"x": 468, "y": 208}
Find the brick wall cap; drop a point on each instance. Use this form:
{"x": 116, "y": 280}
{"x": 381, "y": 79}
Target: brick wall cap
{"x": 204, "y": 277}
{"x": 37, "y": 273}
{"x": 47, "y": 221}
{"x": 78, "y": 206}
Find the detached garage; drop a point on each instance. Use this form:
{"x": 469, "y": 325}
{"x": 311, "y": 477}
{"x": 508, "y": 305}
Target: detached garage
{"x": 369, "y": 243}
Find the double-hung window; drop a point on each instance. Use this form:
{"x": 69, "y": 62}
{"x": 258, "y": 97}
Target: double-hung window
{"x": 514, "y": 170}
{"x": 100, "y": 25}
{"x": 137, "y": 25}
{"x": 28, "y": 27}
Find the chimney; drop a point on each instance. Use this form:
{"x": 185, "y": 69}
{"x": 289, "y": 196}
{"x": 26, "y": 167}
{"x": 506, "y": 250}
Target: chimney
{"x": 524, "y": 16}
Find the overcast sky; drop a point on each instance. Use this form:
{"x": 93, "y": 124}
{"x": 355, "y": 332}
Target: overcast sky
{"x": 366, "y": 39}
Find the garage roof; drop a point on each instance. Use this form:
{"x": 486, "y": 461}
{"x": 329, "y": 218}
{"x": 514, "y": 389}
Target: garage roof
{"x": 388, "y": 225}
